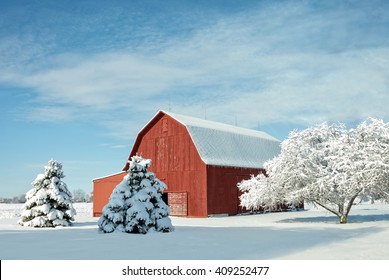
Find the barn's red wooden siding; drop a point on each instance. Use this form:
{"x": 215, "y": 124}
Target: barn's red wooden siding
{"x": 223, "y": 195}
{"x": 102, "y": 189}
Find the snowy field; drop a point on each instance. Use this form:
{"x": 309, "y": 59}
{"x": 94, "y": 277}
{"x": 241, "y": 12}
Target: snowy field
{"x": 312, "y": 234}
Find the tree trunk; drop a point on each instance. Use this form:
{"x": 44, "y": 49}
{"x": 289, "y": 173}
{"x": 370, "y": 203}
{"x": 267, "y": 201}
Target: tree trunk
{"x": 343, "y": 219}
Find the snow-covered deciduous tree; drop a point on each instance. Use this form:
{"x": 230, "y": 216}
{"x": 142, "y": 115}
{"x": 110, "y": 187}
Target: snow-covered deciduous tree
{"x": 48, "y": 203}
{"x": 136, "y": 205}
{"x": 327, "y": 165}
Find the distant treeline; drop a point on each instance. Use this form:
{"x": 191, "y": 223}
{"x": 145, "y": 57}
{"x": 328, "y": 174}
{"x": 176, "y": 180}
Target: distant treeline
{"x": 16, "y": 199}
{"x": 78, "y": 196}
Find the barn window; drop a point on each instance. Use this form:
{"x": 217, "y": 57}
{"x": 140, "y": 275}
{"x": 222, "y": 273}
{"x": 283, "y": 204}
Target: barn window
{"x": 164, "y": 126}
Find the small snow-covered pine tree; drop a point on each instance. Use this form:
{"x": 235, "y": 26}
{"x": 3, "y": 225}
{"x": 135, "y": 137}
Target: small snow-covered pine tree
{"x": 48, "y": 203}
{"x": 136, "y": 205}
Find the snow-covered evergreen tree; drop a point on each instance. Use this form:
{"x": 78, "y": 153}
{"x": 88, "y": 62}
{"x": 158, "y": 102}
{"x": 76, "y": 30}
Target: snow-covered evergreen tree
{"x": 327, "y": 165}
{"x": 48, "y": 203}
{"x": 136, "y": 205}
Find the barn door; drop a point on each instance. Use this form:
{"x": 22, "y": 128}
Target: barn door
{"x": 178, "y": 203}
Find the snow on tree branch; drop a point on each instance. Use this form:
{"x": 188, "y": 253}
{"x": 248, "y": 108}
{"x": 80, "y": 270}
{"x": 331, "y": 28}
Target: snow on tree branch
{"x": 328, "y": 165}
{"x": 136, "y": 205}
{"x": 49, "y": 203}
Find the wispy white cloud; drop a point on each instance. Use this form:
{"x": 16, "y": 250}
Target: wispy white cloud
{"x": 104, "y": 81}
{"x": 338, "y": 88}
{"x": 50, "y": 114}
{"x": 115, "y": 146}
{"x": 278, "y": 75}
{"x": 282, "y": 62}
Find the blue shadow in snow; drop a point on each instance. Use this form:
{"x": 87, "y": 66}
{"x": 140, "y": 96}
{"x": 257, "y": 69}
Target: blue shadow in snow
{"x": 186, "y": 243}
{"x": 334, "y": 219}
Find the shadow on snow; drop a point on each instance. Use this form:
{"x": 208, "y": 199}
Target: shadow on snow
{"x": 185, "y": 243}
{"x": 334, "y": 219}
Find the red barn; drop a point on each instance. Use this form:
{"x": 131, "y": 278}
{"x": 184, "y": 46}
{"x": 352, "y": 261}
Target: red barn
{"x": 200, "y": 161}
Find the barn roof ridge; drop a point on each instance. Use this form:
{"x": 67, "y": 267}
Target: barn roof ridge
{"x": 197, "y": 122}
{"x": 221, "y": 144}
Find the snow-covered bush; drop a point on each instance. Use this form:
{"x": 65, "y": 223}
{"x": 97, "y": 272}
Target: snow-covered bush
{"x": 327, "y": 165}
{"x": 136, "y": 205}
{"x": 48, "y": 203}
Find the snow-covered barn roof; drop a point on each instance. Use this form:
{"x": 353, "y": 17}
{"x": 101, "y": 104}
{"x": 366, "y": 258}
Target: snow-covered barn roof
{"x": 226, "y": 145}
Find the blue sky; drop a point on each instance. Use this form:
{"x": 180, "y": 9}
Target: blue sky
{"x": 79, "y": 79}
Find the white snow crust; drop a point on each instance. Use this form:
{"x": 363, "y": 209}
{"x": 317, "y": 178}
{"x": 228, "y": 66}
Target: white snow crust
{"x": 313, "y": 234}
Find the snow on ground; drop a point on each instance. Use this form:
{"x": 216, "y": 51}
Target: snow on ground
{"x": 313, "y": 234}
